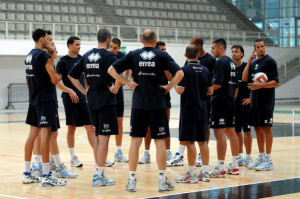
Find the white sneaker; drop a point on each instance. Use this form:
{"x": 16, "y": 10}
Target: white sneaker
{"x": 101, "y": 180}
{"x": 63, "y": 172}
{"x": 187, "y": 178}
{"x": 37, "y": 169}
{"x": 108, "y": 163}
{"x": 75, "y": 162}
{"x": 119, "y": 157}
{"x": 131, "y": 185}
{"x": 145, "y": 159}
{"x": 233, "y": 170}
{"x": 177, "y": 160}
{"x": 259, "y": 161}
{"x": 52, "y": 165}
{"x": 165, "y": 185}
{"x": 50, "y": 180}
{"x": 267, "y": 165}
{"x": 241, "y": 161}
{"x": 249, "y": 162}
{"x": 29, "y": 178}
{"x": 169, "y": 155}
{"x": 199, "y": 161}
{"x": 204, "y": 176}
{"x": 218, "y": 172}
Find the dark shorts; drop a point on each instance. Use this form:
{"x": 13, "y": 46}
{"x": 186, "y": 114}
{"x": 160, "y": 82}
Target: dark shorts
{"x": 242, "y": 118}
{"x": 76, "y": 114}
{"x": 193, "y": 130}
{"x": 43, "y": 115}
{"x": 157, "y": 120}
{"x": 208, "y": 111}
{"x": 105, "y": 120}
{"x": 168, "y": 100}
{"x": 120, "y": 103}
{"x": 222, "y": 115}
{"x": 260, "y": 117}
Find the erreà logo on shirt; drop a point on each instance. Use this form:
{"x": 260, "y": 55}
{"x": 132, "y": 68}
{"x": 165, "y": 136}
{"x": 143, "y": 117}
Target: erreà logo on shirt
{"x": 94, "y": 57}
{"x": 147, "y": 55}
{"x": 28, "y": 59}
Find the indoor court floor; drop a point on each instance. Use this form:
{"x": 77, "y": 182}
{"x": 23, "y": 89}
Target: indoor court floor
{"x": 282, "y": 182}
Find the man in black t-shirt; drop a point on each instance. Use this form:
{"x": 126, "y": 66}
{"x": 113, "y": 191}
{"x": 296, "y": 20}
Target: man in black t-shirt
{"x": 148, "y": 104}
{"x": 222, "y": 109}
{"x": 242, "y": 108}
{"x": 101, "y": 98}
{"x": 262, "y": 102}
{"x": 42, "y": 112}
{"x": 76, "y": 111}
{"x": 194, "y": 88}
{"x": 115, "y": 47}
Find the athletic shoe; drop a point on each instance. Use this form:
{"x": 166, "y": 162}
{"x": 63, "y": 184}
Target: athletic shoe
{"x": 119, "y": 157}
{"x": 169, "y": 155}
{"x": 145, "y": 159}
{"x": 177, "y": 160}
{"x": 62, "y": 172}
{"x": 199, "y": 161}
{"x": 249, "y": 161}
{"x": 259, "y": 161}
{"x": 165, "y": 185}
{"x": 131, "y": 185}
{"x": 52, "y": 165}
{"x": 75, "y": 162}
{"x": 233, "y": 170}
{"x": 267, "y": 165}
{"x": 101, "y": 180}
{"x": 218, "y": 173}
{"x": 187, "y": 178}
{"x": 37, "y": 169}
{"x": 29, "y": 178}
{"x": 241, "y": 161}
{"x": 108, "y": 163}
{"x": 50, "y": 180}
{"x": 203, "y": 176}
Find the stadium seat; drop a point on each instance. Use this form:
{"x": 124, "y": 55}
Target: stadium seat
{"x": 2, "y": 5}
{"x": 2, "y": 16}
{"x": 11, "y": 6}
{"x": 91, "y": 19}
{"x": 11, "y": 16}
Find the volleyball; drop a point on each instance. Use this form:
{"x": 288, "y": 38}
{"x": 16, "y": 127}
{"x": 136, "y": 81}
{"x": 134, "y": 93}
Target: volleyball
{"x": 260, "y": 77}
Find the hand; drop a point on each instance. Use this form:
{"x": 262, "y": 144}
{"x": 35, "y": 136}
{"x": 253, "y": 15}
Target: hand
{"x": 52, "y": 51}
{"x": 132, "y": 85}
{"x": 246, "y": 101}
{"x": 252, "y": 56}
{"x": 165, "y": 87}
{"x": 255, "y": 86}
{"x": 111, "y": 89}
{"x": 73, "y": 96}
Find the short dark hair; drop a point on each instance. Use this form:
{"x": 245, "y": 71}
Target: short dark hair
{"x": 48, "y": 32}
{"x": 258, "y": 40}
{"x": 198, "y": 40}
{"x": 149, "y": 37}
{"x": 191, "y": 52}
{"x": 160, "y": 43}
{"x": 221, "y": 42}
{"x": 238, "y": 47}
{"x": 116, "y": 41}
{"x": 72, "y": 39}
{"x": 102, "y": 35}
{"x": 37, "y": 34}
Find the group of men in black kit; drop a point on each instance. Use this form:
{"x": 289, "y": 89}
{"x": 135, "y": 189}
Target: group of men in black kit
{"x": 215, "y": 93}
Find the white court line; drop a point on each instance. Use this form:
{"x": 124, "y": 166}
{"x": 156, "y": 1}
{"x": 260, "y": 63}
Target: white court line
{"x": 222, "y": 187}
{"x": 9, "y": 196}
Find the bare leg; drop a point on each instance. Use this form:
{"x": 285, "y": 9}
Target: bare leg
{"x": 269, "y": 139}
{"x": 161, "y": 155}
{"x": 234, "y": 142}
{"x": 120, "y": 129}
{"x": 148, "y": 139}
{"x": 204, "y": 150}
{"x": 70, "y": 136}
{"x": 33, "y": 134}
{"x": 248, "y": 142}
{"x": 191, "y": 153}
{"x": 37, "y": 145}
{"x": 221, "y": 142}
{"x": 53, "y": 143}
{"x": 240, "y": 138}
{"x": 102, "y": 149}
{"x": 45, "y": 139}
{"x": 260, "y": 139}
{"x": 90, "y": 134}
{"x": 134, "y": 152}
{"x": 168, "y": 139}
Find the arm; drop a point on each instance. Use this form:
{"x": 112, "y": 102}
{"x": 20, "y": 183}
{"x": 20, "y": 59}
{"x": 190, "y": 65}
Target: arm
{"x": 78, "y": 85}
{"x": 257, "y": 85}
{"x": 168, "y": 75}
{"x": 176, "y": 79}
{"x": 216, "y": 86}
{"x": 51, "y": 71}
{"x": 210, "y": 91}
{"x": 245, "y": 76}
{"x": 180, "y": 89}
{"x": 115, "y": 87}
{"x": 68, "y": 90}
{"x": 236, "y": 92}
{"x": 112, "y": 71}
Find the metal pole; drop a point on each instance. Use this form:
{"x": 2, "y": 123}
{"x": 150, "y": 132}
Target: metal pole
{"x": 293, "y": 123}
{"x": 285, "y": 60}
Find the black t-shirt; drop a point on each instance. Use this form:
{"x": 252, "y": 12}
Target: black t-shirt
{"x": 193, "y": 103}
{"x": 264, "y": 98}
{"x": 147, "y": 65}
{"x": 243, "y": 92}
{"x": 208, "y": 61}
{"x": 95, "y": 64}
{"x": 39, "y": 82}
{"x": 120, "y": 91}
{"x": 224, "y": 75}
{"x": 63, "y": 67}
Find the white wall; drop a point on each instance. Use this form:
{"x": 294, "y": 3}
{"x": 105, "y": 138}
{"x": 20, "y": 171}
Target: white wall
{"x": 290, "y": 89}
{"x": 12, "y": 53}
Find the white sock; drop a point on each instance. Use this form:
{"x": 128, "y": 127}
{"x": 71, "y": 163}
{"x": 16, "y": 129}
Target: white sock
{"x": 51, "y": 157}
{"x": 118, "y": 148}
{"x": 132, "y": 175}
{"x": 57, "y": 160}
{"x": 72, "y": 152}
{"x": 205, "y": 168}
{"x": 162, "y": 174}
{"x": 268, "y": 156}
{"x": 262, "y": 154}
{"x": 37, "y": 158}
{"x": 234, "y": 161}
{"x": 221, "y": 163}
{"x": 146, "y": 152}
{"x": 181, "y": 149}
{"x": 100, "y": 170}
{"x": 27, "y": 166}
{"x": 168, "y": 150}
{"x": 241, "y": 155}
{"x": 192, "y": 170}
{"x": 248, "y": 155}
{"x": 46, "y": 168}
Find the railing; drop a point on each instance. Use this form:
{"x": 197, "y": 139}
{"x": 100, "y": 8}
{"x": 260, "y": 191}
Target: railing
{"x": 289, "y": 61}
{"x": 16, "y": 93}
{"x": 18, "y": 30}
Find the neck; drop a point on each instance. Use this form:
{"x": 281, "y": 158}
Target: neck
{"x": 202, "y": 52}
{"x": 223, "y": 53}
{"x": 261, "y": 56}
{"x": 102, "y": 45}
{"x": 193, "y": 60}
{"x": 39, "y": 46}
{"x": 238, "y": 62}
{"x": 149, "y": 45}
{"x": 72, "y": 54}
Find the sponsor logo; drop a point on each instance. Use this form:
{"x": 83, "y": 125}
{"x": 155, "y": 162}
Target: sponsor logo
{"x": 147, "y": 64}
{"x": 94, "y": 57}
{"x": 106, "y": 128}
{"x": 147, "y": 55}
{"x": 256, "y": 67}
{"x": 161, "y": 131}
{"x": 92, "y": 66}
{"x": 221, "y": 121}
{"x": 28, "y": 59}
{"x": 92, "y": 75}
{"x": 146, "y": 74}
{"x": 43, "y": 120}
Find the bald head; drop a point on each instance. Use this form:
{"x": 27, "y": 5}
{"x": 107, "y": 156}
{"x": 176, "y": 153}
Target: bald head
{"x": 148, "y": 36}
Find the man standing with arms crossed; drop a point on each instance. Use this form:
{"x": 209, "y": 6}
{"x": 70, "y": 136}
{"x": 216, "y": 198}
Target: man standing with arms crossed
{"x": 262, "y": 102}
{"x": 148, "y": 105}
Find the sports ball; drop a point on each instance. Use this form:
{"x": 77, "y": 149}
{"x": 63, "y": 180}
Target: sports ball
{"x": 260, "y": 77}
